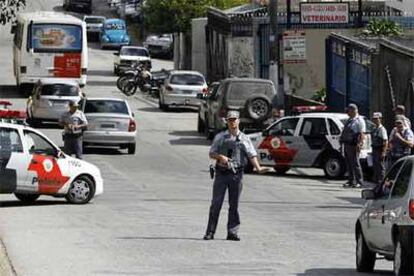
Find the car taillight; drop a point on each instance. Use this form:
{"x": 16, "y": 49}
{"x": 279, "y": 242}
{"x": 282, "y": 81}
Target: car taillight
{"x": 205, "y": 90}
{"x": 222, "y": 112}
{"x": 169, "y": 88}
{"x": 132, "y": 125}
{"x": 411, "y": 208}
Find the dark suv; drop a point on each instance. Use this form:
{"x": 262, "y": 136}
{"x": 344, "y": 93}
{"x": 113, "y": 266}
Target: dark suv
{"x": 253, "y": 98}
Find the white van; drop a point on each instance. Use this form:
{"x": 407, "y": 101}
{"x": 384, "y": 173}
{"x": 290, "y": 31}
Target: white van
{"x": 49, "y": 44}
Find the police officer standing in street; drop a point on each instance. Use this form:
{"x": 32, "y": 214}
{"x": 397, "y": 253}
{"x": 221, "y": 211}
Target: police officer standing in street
{"x": 231, "y": 149}
{"x": 73, "y": 122}
{"x": 352, "y": 138}
{"x": 379, "y": 145}
{"x": 401, "y": 141}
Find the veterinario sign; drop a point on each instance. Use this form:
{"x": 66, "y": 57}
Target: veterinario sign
{"x": 324, "y": 13}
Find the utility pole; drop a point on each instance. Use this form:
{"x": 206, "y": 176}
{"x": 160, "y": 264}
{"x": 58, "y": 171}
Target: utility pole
{"x": 360, "y": 23}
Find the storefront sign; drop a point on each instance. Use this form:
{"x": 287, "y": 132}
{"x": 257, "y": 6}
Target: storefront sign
{"x": 324, "y": 13}
{"x": 294, "y": 46}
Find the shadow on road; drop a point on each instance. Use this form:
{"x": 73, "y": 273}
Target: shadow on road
{"x": 11, "y": 91}
{"x": 102, "y": 83}
{"x": 16, "y": 203}
{"x": 105, "y": 73}
{"x": 188, "y": 137}
{"x": 184, "y": 133}
{"x": 150, "y": 110}
{"x": 339, "y": 272}
{"x": 102, "y": 151}
{"x": 160, "y": 238}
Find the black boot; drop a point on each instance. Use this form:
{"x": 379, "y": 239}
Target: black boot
{"x": 232, "y": 237}
{"x": 208, "y": 236}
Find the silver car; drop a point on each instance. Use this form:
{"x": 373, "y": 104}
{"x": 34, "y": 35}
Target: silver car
{"x": 181, "y": 89}
{"x": 94, "y": 23}
{"x": 110, "y": 123}
{"x": 386, "y": 224}
{"x": 50, "y": 98}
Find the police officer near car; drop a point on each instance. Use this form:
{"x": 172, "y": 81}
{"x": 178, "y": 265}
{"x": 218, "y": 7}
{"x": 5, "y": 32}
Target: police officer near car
{"x": 231, "y": 149}
{"x": 74, "y": 123}
{"x": 401, "y": 141}
{"x": 352, "y": 139}
{"x": 399, "y": 110}
{"x": 379, "y": 143}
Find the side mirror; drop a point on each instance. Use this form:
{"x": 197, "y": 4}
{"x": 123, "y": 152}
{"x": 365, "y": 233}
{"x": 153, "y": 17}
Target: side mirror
{"x": 133, "y": 114}
{"x": 368, "y": 194}
{"x": 116, "y": 54}
{"x": 13, "y": 29}
{"x": 265, "y": 133}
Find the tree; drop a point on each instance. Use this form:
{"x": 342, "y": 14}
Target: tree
{"x": 9, "y": 9}
{"x": 169, "y": 16}
{"x": 383, "y": 27}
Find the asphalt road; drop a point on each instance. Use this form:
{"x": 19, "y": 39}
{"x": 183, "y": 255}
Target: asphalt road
{"x": 153, "y": 214}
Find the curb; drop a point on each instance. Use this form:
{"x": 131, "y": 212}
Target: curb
{"x": 6, "y": 268}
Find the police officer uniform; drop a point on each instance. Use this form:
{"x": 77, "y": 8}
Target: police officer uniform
{"x": 353, "y": 128}
{"x": 72, "y": 137}
{"x": 239, "y": 149}
{"x": 378, "y": 138}
{"x": 399, "y": 149}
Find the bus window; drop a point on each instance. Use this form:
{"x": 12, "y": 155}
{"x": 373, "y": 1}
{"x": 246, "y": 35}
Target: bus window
{"x": 56, "y": 38}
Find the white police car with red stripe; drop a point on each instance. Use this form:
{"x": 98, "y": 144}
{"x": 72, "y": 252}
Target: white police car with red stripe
{"x": 31, "y": 165}
{"x": 306, "y": 140}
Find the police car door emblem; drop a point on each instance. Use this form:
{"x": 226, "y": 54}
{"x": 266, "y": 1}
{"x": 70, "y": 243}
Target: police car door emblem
{"x": 275, "y": 143}
{"x": 48, "y": 165}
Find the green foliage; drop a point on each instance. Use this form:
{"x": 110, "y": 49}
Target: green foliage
{"x": 383, "y": 27}
{"x": 320, "y": 95}
{"x": 168, "y": 16}
{"x": 9, "y": 9}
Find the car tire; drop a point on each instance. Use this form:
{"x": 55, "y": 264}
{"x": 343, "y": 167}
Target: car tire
{"x": 81, "y": 190}
{"x": 258, "y": 107}
{"x": 116, "y": 72}
{"x": 132, "y": 148}
{"x": 200, "y": 125}
{"x": 34, "y": 122}
{"x": 26, "y": 198}
{"x": 334, "y": 166}
{"x": 403, "y": 258}
{"x": 365, "y": 258}
{"x": 281, "y": 170}
{"x": 207, "y": 132}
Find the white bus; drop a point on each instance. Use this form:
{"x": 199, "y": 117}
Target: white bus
{"x": 49, "y": 44}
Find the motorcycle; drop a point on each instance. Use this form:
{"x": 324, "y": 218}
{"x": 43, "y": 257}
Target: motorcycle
{"x": 127, "y": 75}
{"x": 141, "y": 80}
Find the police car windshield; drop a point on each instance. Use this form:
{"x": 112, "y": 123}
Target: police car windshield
{"x": 59, "y": 90}
{"x": 187, "y": 79}
{"x": 105, "y": 106}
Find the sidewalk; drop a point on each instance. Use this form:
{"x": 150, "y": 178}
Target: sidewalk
{"x": 6, "y": 268}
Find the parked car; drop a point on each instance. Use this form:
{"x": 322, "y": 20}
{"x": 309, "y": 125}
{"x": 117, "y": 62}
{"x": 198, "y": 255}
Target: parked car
{"x": 114, "y": 34}
{"x": 386, "y": 224}
{"x": 32, "y": 165}
{"x": 128, "y": 55}
{"x": 94, "y": 24}
{"x": 50, "y": 99}
{"x": 254, "y": 99}
{"x": 307, "y": 140}
{"x": 160, "y": 45}
{"x": 128, "y": 8}
{"x": 110, "y": 123}
{"x": 181, "y": 89}
{"x": 78, "y": 5}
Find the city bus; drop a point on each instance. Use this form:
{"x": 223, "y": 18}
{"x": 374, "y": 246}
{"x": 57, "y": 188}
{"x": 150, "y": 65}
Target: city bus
{"x": 49, "y": 44}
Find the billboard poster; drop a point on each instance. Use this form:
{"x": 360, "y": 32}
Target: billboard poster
{"x": 324, "y": 13}
{"x": 56, "y": 37}
{"x": 294, "y": 46}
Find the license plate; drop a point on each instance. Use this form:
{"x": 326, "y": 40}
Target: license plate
{"x": 107, "y": 126}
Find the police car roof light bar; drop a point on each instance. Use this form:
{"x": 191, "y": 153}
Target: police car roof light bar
{"x": 311, "y": 108}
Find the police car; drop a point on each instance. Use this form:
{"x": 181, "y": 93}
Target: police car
{"x": 31, "y": 165}
{"x": 306, "y": 140}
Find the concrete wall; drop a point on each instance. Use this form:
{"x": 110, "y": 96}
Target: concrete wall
{"x": 241, "y": 56}
{"x": 305, "y": 78}
{"x": 198, "y": 50}
{"x": 402, "y": 5}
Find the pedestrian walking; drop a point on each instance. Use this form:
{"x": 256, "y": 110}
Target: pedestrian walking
{"x": 73, "y": 122}
{"x": 352, "y": 139}
{"x": 379, "y": 143}
{"x": 231, "y": 149}
{"x": 401, "y": 141}
{"x": 400, "y": 111}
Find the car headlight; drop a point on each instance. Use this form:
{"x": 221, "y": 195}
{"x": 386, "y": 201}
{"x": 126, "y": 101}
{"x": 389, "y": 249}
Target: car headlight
{"x": 126, "y": 38}
{"x": 105, "y": 38}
